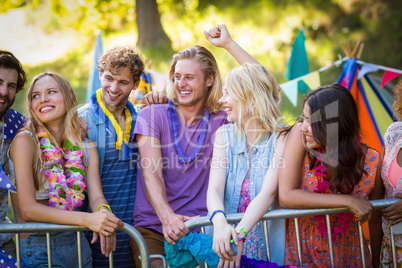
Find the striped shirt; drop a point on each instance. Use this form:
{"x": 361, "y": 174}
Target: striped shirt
{"x": 119, "y": 184}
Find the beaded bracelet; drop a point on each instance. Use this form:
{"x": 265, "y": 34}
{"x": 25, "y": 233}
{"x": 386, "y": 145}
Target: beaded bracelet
{"x": 216, "y": 211}
{"x": 104, "y": 205}
{"x": 243, "y": 231}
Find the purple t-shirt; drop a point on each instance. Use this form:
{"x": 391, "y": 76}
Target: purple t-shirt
{"x": 186, "y": 184}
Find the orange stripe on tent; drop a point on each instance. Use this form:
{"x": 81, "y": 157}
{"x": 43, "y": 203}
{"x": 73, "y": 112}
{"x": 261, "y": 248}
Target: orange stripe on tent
{"x": 368, "y": 131}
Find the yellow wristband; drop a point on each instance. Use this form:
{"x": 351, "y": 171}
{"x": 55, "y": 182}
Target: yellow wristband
{"x": 104, "y": 205}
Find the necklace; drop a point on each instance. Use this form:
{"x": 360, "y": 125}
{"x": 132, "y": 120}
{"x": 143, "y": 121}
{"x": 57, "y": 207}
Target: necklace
{"x": 123, "y": 138}
{"x": 66, "y": 187}
{"x": 201, "y": 138}
{"x": 343, "y": 222}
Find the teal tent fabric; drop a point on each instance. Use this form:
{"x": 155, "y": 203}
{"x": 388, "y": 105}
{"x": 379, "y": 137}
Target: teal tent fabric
{"x": 298, "y": 63}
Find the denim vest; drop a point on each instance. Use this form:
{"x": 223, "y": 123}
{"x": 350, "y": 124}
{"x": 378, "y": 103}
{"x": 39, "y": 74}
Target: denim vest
{"x": 238, "y": 165}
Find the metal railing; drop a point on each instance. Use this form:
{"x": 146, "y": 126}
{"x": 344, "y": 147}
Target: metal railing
{"x": 200, "y": 222}
{"x": 18, "y": 228}
{"x": 296, "y": 213}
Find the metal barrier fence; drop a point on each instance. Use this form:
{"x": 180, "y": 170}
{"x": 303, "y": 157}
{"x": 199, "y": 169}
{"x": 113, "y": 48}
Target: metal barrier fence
{"x": 296, "y": 213}
{"x": 18, "y": 228}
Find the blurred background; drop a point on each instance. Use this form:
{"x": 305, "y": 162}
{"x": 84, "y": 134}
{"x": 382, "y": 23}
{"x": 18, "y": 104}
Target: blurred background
{"x": 59, "y": 35}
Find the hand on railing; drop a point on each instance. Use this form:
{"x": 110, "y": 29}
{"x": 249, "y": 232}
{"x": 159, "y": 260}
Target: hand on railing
{"x": 174, "y": 228}
{"x": 361, "y": 207}
{"x": 223, "y": 233}
{"x": 104, "y": 223}
{"x": 235, "y": 262}
{"x": 393, "y": 213}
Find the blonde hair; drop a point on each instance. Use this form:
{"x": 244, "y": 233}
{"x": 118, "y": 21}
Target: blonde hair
{"x": 209, "y": 67}
{"x": 254, "y": 87}
{"x": 72, "y": 127}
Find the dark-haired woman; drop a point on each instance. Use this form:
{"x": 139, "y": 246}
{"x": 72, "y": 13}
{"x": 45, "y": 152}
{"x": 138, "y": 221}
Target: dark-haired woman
{"x": 392, "y": 177}
{"x": 328, "y": 167}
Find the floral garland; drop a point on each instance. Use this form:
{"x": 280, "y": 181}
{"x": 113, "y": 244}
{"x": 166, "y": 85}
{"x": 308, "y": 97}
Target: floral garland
{"x": 201, "y": 138}
{"x": 343, "y": 218}
{"x": 66, "y": 187}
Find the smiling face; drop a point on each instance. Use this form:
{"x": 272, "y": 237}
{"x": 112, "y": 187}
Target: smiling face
{"x": 116, "y": 88}
{"x": 48, "y": 101}
{"x": 231, "y": 106}
{"x": 8, "y": 89}
{"x": 307, "y": 130}
{"x": 190, "y": 85}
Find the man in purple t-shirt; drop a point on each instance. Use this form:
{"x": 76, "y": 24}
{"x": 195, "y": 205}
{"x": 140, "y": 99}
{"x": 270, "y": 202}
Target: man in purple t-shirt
{"x": 175, "y": 143}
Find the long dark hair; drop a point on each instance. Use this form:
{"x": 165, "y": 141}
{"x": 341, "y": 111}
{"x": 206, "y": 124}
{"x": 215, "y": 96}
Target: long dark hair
{"x": 336, "y": 129}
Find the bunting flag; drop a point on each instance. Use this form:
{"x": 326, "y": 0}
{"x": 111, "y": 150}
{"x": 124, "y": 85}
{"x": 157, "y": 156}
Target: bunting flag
{"x": 313, "y": 80}
{"x": 94, "y": 82}
{"x": 347, "y": 77}
{"x": 388, "y": 76}
{"x": 298, "y": 63}
{"x": 290, "y": 90}
{"x": 5, "y": 182}
{"x": 367, "y": 68}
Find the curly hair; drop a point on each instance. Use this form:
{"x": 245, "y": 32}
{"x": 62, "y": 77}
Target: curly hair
{"x": 121, "y": 57}
{"x": 209, "y": 67}
{"x": 9, "y": 61}
{"x": 398, "y": 100}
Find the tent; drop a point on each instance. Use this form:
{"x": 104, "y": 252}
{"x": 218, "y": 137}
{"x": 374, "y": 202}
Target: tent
{"x": 375, "y": 113}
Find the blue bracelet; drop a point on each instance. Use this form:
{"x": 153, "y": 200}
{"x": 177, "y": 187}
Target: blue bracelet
{"x": 216, "y": 211}
{"x": 234, "y": 248}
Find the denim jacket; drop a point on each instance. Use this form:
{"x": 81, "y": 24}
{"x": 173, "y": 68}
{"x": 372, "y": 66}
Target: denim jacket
{"x": 97, "y": 130}
{"x": 238, "y": 165}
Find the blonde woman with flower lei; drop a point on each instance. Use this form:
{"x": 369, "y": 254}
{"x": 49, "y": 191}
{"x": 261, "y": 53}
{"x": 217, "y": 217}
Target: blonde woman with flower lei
{"x": 62, "y": 170}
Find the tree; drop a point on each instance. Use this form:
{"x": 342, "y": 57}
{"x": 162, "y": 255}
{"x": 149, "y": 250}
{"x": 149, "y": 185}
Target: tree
{"x": 88, "y": 15}
{"x": 150, "y": 30}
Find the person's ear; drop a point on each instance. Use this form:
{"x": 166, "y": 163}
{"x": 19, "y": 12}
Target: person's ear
{"x": 136, "y": 84}
{"x": 210, "y": 81}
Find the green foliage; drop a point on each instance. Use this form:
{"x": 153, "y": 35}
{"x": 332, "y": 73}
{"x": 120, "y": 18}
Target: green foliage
{"x": 10, "y": 4}
{"x": 265, "y": 28}
{"x": 74, "y": 66}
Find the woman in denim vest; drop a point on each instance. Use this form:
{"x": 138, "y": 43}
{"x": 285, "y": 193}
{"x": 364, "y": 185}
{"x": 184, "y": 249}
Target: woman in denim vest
{"x": 244, "y": 168}
{"x": 49, "y": 162}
